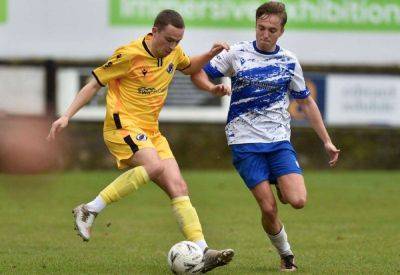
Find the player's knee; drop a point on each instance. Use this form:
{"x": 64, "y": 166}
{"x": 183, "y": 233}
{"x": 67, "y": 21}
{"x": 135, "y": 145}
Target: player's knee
{"x": 298, "y": 202}
{"x": 269, "y": 210}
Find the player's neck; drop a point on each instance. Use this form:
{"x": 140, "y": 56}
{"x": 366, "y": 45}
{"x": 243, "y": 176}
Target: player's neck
{"x": 268, "y": 50}
{"x": 151, "y": 47}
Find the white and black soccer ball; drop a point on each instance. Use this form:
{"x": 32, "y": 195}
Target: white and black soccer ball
{"x": 185, "y": 258}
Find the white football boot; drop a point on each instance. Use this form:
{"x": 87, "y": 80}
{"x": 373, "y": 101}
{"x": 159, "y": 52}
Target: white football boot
{"x": 83, "y": 221}
{"x": 213, "y": 258}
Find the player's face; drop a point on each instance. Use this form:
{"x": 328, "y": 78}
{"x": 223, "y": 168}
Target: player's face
{"x": 165, "y": 40}
{"x": 268, "y": 30}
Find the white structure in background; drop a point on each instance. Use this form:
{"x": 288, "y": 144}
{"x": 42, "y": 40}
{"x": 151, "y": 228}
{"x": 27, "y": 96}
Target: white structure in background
{"x": 323, "y": 32}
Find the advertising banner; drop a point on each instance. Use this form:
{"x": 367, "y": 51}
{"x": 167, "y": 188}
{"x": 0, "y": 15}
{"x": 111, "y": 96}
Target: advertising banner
{"x": 339, "y": 15}
{"x": 363, "y": 100}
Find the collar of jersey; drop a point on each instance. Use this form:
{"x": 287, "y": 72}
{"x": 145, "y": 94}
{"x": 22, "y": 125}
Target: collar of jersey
{"x": 277, "y": 48}
{"x": 145, "y": 45}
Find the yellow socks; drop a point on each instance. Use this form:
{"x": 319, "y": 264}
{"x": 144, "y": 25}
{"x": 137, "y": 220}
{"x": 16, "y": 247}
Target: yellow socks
{"x": 187, "y": 218}
{"x": 125, "y": 184}
{"x": 183, "y": 210}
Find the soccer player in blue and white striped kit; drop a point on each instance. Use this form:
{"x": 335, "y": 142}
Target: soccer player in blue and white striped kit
{"x": 258, "y": 125}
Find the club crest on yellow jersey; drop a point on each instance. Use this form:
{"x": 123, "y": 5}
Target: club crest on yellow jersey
{"x": 141, "y": 137}
{"x": 170, "y": 68}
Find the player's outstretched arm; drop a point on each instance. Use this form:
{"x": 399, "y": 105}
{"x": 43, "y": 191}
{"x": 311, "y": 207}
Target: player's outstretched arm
{"x": 197, "y": 62}
{"x": 200, "y": 79}
{"x": 83, "y": 97}
{"x": 310, "y": 109}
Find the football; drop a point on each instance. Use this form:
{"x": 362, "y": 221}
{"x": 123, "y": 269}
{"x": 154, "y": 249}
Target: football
{"x": 185, "y": 258}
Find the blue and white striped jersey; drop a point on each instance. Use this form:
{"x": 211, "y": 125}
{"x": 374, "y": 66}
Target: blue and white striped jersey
{"x": 261, "y": 83}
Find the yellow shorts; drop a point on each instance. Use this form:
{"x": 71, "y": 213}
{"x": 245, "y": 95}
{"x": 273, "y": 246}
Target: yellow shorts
{"x": 123, "y": 144}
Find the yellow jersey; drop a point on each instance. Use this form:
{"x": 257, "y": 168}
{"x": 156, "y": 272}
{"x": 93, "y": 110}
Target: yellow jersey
{"x": 137, "y": 84}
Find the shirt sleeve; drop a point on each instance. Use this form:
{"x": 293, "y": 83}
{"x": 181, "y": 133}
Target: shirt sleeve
{"x": 220, "y": 65}
{"x": 117, "y": 66}
{"x": 297, "y": 87}
{"x": 183, "y": 61}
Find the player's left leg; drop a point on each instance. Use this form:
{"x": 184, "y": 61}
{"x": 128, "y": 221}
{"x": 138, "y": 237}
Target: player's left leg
{"x": 172, "y": 182}
{"x": 272, "y": 225}
{"x": 290, "y": 182}
{"x": 175, "y": 187}
{"x": 293, "y": 189}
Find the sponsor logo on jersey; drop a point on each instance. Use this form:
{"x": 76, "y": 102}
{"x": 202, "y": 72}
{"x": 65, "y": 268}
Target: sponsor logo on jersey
{"x": 150, "y": 90}
{"x": 107, "y": 65}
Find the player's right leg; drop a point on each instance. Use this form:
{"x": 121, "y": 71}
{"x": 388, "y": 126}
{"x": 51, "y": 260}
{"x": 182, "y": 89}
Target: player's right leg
{"x": 269, "y": 212}
{"x": 125, "y": 184}
{"x": 254, "y": 170}
{"x": 272, "y": 225}
{"x": 147, "y": 166}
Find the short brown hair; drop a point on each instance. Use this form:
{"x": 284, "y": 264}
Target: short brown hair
{"x": 272, "y": 7}
{"x": 169, "y": 17}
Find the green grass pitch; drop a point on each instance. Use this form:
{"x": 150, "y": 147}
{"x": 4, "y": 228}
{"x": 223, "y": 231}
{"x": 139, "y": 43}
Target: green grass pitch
{"x": 351, "y": 225}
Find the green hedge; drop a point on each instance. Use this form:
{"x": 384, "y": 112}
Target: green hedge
{"x": 198, "y": 146}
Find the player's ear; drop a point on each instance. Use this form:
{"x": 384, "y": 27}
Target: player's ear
{"x": 154, "y": 30}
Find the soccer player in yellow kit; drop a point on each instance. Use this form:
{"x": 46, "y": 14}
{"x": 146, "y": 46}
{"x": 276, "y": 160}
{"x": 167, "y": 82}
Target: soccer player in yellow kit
{"x": 137, "y": 76}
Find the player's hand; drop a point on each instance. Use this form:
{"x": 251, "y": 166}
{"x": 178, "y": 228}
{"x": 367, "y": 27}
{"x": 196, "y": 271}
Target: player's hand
{"x": 333, "y": 153}
{"x": 57, "y": 127}
{"x": 218, "y": 47}
{"x": 221, "y": 90}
